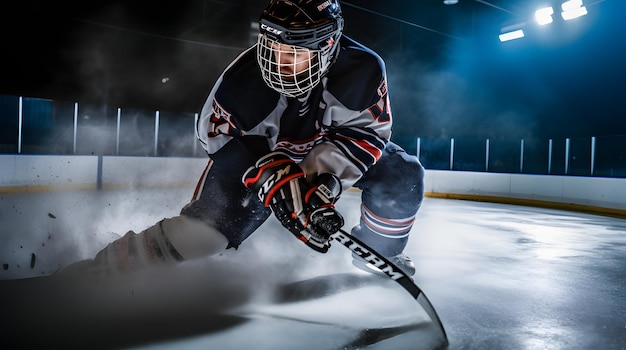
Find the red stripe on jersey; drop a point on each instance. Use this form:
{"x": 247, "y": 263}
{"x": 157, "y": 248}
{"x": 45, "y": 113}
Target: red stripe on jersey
{"x": 364, "y": 145}
{"x": 369, "y": 148}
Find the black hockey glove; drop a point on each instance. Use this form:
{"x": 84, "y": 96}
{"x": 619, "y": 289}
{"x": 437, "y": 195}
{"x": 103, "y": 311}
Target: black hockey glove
{"x": 306, "y": 210}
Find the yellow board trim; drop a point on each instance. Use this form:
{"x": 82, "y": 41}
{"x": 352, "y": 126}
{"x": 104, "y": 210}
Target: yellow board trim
{"x": 589, "y": 209}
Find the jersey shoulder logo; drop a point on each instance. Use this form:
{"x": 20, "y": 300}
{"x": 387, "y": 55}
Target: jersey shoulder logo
{"x": 381, "y": 111}
{"x": 382, "y": 89}
{"x": 219, "y": 111}
{"x": 221, "y": 122}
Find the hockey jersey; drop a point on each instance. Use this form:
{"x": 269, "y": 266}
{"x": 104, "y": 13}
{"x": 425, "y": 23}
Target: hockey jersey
{"x": 341, "y": 126}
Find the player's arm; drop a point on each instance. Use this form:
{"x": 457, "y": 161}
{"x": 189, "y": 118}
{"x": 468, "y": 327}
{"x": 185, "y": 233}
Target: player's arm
{"x": 358, "y": 116}
{"x": 228, "y": 114}
{"x": 355, "y": 140}
{"x": 216, "y": 125}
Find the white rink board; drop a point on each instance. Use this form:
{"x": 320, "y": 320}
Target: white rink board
{"x": 59, "y": 171}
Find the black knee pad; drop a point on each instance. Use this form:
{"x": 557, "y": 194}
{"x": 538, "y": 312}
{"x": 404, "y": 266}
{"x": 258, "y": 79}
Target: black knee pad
{"x": 394, "y": 186}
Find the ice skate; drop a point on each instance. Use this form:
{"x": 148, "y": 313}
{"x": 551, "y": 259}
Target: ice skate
{"x": 401, "y": 260}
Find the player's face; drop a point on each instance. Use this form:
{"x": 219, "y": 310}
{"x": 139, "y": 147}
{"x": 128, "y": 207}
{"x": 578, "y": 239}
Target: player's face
{"x": 291, "y": 60}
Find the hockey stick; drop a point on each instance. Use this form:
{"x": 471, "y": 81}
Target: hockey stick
{"x": 392, "y": 271}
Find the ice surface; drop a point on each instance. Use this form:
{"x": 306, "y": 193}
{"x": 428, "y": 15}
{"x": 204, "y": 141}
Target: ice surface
{"x": 500, "y": 277}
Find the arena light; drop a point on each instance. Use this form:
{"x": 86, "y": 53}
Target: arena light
{"x": 573, "y": 9}
{"x": 516, "y": 34}
{"x": 543, "y": 16}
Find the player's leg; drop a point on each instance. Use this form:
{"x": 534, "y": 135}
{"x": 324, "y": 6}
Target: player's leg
{"x": 221, "y": 200}
{"x": 221, "y": 215}
{"x": 392, "y": 193}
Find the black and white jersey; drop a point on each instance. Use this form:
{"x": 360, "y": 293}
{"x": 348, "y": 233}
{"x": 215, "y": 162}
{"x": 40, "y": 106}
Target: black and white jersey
{"x": 340, "y": 127}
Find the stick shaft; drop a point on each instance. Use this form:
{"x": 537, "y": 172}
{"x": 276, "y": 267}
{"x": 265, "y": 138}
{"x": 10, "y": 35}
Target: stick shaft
{"x": 392, "y": 271}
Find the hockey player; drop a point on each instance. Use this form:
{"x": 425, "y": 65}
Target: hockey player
{"x": 291, "y": 122}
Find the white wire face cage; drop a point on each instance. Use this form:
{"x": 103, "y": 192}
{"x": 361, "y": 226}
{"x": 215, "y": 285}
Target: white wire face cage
{"x": 291, "y": 70}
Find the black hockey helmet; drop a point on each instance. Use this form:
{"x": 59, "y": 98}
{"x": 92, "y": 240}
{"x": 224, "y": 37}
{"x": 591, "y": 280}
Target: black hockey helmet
{"x": 298, "y": 42}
